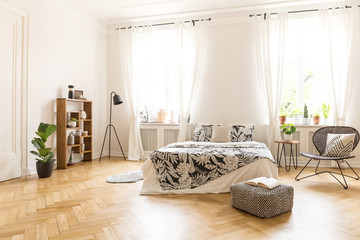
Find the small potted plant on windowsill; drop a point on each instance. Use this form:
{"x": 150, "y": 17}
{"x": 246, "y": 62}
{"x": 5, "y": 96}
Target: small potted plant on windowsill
{"x": 306, "y": 116}
{"x": 282, "y": 118}
{"x": 325, "y": 111}
{"x": 316, "y": 118}
{"x": 45, "y": 156}
{"x": 288, "y": 130}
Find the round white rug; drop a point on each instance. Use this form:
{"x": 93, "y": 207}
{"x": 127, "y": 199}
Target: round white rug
{"x": 128, "y": 177}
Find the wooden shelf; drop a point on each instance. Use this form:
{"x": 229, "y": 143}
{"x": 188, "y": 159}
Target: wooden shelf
{"x": 75, "y": 145}
{"x": 75, "y": 100}
{"x": 70, "y": 128}
{"x": 62, "y": 130}
{"x": 86, "y": 151}
{"x": 87, "y": 136}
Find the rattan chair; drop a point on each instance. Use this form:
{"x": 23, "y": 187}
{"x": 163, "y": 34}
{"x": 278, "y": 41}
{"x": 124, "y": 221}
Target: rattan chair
{"x": 319, "y": 140}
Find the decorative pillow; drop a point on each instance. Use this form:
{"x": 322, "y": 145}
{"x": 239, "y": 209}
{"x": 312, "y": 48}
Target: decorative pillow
{"x": 221, "y": 134}
{"x": 339, "y": 145}
{"x": 242, "y": 133}
{"x": 202, "y": 133}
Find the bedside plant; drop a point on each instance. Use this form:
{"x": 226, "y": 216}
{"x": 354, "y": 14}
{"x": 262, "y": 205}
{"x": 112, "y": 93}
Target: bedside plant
{"x": 45, "y": 156}
{"x": 288, "y": 130}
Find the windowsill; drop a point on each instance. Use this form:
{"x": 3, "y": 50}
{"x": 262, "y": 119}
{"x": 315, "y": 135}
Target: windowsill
{"x": 159, "y": 124}
{"x": 312, "y": 125}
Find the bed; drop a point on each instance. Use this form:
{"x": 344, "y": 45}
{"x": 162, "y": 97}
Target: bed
{"x": 205, "y": 167}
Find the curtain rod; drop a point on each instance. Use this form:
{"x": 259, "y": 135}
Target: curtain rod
{"x": 162, "y": 24}
{"x": 299, "y": 11}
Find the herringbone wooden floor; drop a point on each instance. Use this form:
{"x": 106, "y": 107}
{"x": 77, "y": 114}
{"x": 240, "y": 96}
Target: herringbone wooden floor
{"x": 77, "y": 203}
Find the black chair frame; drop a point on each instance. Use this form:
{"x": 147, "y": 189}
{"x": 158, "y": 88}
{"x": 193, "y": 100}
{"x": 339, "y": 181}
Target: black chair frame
{"x": 319, "y": 140}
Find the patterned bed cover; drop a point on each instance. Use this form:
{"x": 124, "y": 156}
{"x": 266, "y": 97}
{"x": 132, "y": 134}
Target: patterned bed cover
{"x": 192, "y": 164}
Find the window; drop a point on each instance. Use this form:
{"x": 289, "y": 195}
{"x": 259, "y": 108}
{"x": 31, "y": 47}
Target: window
{"x": 304, "y": 69}
{"x": 161, "y": 83}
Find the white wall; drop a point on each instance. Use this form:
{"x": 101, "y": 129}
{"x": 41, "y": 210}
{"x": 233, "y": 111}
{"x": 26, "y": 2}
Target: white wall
{"x": 66, "y": 46}
{"x": 121, "y": 115}
{"x": 229, "y": 88}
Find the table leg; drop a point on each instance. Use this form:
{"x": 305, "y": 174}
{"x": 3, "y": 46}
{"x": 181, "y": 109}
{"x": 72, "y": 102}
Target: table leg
{"x": 291, "y": 156}
{"x": 283, "y": 149}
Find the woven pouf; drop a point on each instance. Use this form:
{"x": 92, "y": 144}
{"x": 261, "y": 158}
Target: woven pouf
{"x": 260, "y": 201}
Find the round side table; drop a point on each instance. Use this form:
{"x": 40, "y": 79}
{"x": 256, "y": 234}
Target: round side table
{"x": 294, "y": 159}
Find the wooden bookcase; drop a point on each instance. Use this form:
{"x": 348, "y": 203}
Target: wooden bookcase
{"x": 62, "y": 130}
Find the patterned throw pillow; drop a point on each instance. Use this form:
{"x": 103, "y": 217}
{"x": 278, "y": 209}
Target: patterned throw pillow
{"x": 339, "y": 145}
{"x": 202, "y": 133}
{"x": 242, "y": 133}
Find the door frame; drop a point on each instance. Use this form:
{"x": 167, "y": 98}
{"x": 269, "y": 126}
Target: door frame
{"x": 24, "y": 25}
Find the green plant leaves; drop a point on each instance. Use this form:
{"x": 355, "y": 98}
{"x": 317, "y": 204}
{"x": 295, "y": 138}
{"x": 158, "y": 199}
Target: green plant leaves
{"x": 45, "y": 130}
{"x": 38, "y": 143}
{"x": 35, "y": 153}
{"x": 44, "y": 151}
{"x": 288, "y": 129}
{"x": 45, "y": 154}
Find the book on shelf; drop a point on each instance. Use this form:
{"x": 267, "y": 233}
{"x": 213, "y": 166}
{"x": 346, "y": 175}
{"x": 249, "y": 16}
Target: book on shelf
{"x": 264, "y": 182}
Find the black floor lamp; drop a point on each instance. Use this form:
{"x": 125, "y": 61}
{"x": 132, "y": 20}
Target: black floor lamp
{"x": 116, "y": 100}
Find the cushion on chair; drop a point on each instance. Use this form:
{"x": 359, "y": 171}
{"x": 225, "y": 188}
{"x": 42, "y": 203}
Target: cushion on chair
{"x": 339, "y": 145}
{"x": 260, "y": 201}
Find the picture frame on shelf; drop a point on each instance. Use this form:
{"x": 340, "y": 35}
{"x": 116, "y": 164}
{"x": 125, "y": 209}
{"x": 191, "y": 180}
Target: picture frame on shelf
{"x": 79, "y": 94}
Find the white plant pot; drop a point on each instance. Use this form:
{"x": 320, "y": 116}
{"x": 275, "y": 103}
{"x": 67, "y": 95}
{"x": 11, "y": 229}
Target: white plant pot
{"x": 287, "y": 137}
{"x": 72, "y": 124}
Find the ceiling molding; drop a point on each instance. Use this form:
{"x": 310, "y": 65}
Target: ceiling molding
{"x": 243, "y": 9}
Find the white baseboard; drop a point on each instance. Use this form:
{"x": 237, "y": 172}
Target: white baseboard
{"x": 9, "y": 175}
{"x": 113, "y": 154}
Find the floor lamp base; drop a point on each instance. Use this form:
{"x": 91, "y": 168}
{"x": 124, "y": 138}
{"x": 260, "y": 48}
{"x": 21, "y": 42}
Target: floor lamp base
{"x": 106, "y": 131}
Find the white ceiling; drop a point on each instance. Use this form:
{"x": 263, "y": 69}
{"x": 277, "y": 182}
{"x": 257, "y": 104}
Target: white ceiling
{"x": 120, "y": 10}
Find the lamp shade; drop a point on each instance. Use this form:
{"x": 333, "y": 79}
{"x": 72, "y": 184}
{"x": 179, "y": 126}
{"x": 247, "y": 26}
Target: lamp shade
{"x": 117, "y": 99}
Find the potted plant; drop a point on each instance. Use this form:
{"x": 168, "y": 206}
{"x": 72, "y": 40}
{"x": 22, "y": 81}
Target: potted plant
{"x": 45, "y": 156}
{"x": 306, "y": 115}
{"x": 325, "y": 111}
{"x": 288, "y": 130}
{"x": 316, "y": 118}
{"x": 73, "y": 122}
{"x": 282, "y": 117}
{"x": 296, "y": 115}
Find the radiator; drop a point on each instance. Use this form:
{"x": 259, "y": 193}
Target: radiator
{"x": 157, "y": 135}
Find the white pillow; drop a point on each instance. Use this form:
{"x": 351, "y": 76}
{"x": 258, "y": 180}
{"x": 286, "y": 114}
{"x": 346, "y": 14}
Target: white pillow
{"x": 339, "y": 145}
{"x": 221, "y": 133}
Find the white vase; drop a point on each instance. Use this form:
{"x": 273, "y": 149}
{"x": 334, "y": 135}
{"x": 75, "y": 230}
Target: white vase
{"x": 287, "y": 137}
{"x": 83, "y": 114}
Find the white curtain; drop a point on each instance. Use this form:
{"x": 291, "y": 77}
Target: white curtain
{"x": 134, "y": 46}
{"x": 270, "y": 39}
{"x": 190, "y": 41}
{"x": 342, "y": 39}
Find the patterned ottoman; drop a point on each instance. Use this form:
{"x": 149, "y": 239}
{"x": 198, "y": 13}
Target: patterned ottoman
{"x": 260, "y": 201}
